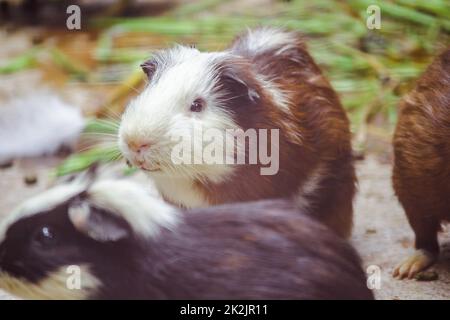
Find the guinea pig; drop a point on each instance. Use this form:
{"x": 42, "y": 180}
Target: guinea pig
{"x": 266, "y": 93}
{"x": 421, "y": 175}
{"x": 128, "y": 244}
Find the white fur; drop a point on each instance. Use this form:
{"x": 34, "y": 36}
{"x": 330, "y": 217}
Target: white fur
{"x": 42, "y": 202}
{"x": 267, "y": 39}
{"x": 410, "y": 99}
{"x": 180, "y": 191}
{"x": 142, "y": 207}
{"x": 144, "y": 211}
{"x": 281, "y": 100}
{"x": 161, "y": 114}
{"x": 36, "y": 124}
{"x": 309, "y": 187}
{"x": 54, "y": 286}
{"x": 280, "y": 97}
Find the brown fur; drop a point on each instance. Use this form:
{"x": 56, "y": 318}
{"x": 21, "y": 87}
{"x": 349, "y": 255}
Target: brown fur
{"x": 421, "y": 176}
{"x": 314, "y": 137}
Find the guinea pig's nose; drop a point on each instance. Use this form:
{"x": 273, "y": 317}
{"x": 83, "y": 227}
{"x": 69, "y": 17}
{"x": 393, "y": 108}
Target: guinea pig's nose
{"x": 139, "y": 147}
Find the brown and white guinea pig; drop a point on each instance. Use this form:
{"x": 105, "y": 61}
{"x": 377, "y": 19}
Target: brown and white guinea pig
{"x": 129, "y": 244}
{"x": 265, "y": 80}
{"x": 421, "y": 176}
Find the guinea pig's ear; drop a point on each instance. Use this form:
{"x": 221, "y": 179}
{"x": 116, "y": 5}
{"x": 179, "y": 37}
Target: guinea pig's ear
{"x": 149, "y": 68}
{"x": 238, "y": 78}
{"x": 96, "y": 224}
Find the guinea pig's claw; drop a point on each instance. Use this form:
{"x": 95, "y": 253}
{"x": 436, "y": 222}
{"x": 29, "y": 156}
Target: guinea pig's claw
{"x": 419, "y": 261}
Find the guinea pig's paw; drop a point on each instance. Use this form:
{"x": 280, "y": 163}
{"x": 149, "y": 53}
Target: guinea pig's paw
{"x": 419, "y": 261}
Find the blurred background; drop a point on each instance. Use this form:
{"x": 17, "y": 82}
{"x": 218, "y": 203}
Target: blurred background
{"x": 62, "y": 91}
{"x": 97, "y": 69}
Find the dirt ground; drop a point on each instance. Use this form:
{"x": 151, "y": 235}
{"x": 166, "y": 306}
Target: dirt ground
{"x": 381, "y": 234}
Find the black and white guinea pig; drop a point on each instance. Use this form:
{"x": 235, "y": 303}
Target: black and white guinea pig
{"x": 129, "y": 244}
{"x": 265, "y": 80}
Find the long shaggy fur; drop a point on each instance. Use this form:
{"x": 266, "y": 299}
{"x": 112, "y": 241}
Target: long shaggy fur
{"x": 257, "y": 250}
{"x": 265, "y": 80}
{"x": 421, "y": 174}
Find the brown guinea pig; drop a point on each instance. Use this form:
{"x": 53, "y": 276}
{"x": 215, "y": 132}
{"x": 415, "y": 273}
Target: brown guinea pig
{"x": 421, "y": 174}
{"x": 123, "y": 242}
{"x": 266, "y": 94}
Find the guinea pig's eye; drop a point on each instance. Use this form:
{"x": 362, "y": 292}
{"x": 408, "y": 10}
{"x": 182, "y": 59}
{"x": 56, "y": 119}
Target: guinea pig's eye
{"x": 197, "y": 105}
{"x": 45, "y": 236}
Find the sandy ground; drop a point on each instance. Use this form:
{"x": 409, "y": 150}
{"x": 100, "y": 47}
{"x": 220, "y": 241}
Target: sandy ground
{"x": 381, "y": 235}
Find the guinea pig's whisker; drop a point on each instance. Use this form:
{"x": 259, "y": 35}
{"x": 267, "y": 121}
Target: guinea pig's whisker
{"x": 112, "y": 119}
{"x": 133, "y": 88}
{"x": 99, "y": 134}
{"x": 230, "y": 98}
{"x": 103, "y": 145}
{"x": 178, "y": 169}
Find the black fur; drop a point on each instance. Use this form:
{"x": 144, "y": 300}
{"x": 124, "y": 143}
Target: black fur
{"x": 259, "y": 250}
